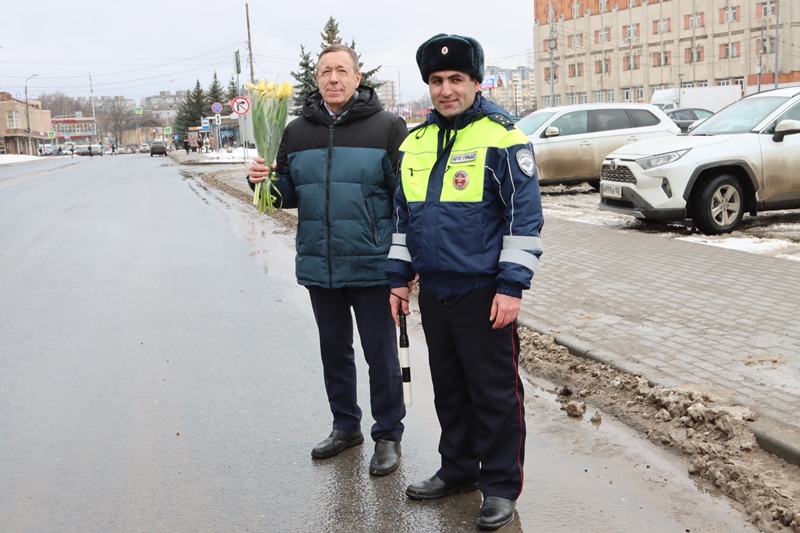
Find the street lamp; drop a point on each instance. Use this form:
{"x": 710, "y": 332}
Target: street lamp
{"x": 28, "y": 115}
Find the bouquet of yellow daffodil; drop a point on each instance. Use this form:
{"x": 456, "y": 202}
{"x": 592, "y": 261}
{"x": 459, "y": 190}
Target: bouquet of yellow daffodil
{"x": 270, "y": 106}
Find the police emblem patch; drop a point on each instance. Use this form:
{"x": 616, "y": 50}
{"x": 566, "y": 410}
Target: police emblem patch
{"x": 525, "y": 162}
{"x": 444, "y": 50}
{"x": 460, "y": 180}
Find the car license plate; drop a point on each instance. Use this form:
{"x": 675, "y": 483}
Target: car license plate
{"x": 612, "y": 191}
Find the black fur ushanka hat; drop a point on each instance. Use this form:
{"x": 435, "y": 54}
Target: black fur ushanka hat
{"x": 450, "y": 52}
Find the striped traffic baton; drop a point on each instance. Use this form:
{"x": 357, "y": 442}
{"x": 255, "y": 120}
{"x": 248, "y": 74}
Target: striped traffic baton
{"x": 405, "y": 364}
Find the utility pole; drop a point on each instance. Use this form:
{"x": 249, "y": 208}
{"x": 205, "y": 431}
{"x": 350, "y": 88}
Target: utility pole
{"x": 761, "y": 45}
{"x": 249, "y": 44}
{"x": 28, "y": 116}
{"x": 551, "y": 45}
{"x": 94, "y": 117}
{"x": 777, "y": 40}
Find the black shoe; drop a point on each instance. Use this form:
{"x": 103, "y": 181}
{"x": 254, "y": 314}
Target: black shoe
{"x": 496, "y": 512}
{"x": 386, "y": 458}
{"x": 434, "y": 487}
{"x": 336, "y": 442}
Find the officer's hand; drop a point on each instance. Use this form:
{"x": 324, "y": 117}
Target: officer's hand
{"x": 258, "y": 171}
{"x": 505, "y": 309}
{"x": 398, "y": 300}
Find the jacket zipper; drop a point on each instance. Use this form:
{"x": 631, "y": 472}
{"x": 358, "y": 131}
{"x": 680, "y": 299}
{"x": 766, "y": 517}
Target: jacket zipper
{"x": 328, "y": 205}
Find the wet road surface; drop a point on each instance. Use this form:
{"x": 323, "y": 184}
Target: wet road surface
{"x": 160, "y": 372}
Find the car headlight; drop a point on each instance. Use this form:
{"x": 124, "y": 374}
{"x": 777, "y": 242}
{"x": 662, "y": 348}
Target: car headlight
{"x": 660, "y": 159}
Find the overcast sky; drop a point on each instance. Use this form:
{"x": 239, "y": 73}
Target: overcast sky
{"x": 137, "y": 48}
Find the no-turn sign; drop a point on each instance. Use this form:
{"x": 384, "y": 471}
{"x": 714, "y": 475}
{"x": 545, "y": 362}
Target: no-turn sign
{"x": 240, "y": 105}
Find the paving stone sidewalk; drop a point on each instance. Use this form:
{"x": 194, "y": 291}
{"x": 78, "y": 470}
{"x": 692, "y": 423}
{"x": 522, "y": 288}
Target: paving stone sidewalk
{"x": 679, "y": 313}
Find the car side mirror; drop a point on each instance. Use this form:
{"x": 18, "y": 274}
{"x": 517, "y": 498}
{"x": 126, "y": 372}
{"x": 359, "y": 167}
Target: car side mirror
{"x": 552, "y": 131}
{"x": 784, "y": 128}
{"x": 696, "y": 123}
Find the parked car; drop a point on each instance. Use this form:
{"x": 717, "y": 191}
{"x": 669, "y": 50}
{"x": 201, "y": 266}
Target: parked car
{"x": 570, "y": 142}
{"x": 144, "y": 148}
{"x": 82, "y": 149}
{"x": 158, "y": 148}
{"x": 743, "y": 159}
{"x": 683, "y": 117}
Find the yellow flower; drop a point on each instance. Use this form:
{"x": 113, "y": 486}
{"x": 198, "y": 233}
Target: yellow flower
{"x": 250, "y": 86}
{"x": 284, "y": 90}
{"x": 262, "y": 85}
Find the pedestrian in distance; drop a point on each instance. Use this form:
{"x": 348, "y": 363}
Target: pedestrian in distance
{"x": 113, "y": 149}
{"x": 186, "y": 145}
{"x": 467, "y": 220}
{"x": 344, "y": 201}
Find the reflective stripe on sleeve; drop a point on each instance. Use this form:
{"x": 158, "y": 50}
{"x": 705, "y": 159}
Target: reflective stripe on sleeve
{"x": 399, "y": 252}
{"x": 519, "y": 257}
{"x": 533, "y": 244}
{"x": 399, "y": 238}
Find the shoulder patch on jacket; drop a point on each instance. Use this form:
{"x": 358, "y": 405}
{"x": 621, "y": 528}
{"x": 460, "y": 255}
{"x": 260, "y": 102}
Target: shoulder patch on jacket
{"x": 525, "y": 162}
{"x": 502, "y": 120}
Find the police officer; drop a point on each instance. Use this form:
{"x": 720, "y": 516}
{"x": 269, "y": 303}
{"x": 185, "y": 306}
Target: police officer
{"x": 467, "y": 220}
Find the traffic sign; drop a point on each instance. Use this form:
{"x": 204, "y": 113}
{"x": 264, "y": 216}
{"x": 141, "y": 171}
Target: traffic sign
{"x": 218, "y": 119}
{"x": 51, "y": 134}
{"x": 240, "y": 105}
{"x": 167, "y": 130}
{"x": 204, "y": 124}
{"x": 138, "y": 110}
{"x": 216, "y": 108}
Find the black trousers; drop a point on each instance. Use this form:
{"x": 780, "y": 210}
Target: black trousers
{"x": 378, "y": 336}
{"x": 479, "y": 398}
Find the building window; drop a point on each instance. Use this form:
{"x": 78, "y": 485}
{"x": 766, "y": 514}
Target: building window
{"x": 768, "y": 45}
{"x": 729, "y": 14}
{"x": 727, "y": 51}
{"x": 661, "y": 26}
{"x": 661, "y": 59}
{"x": 545, "y": 101}
{"x": 584, "y": 98}
{"x": 576, "y": 10}
{"x": 603, "y": 6}
{"x": 602, "y": 66}
{"x": 767, "y": 9}
{"x": 12, "y": 119}
{"x": 558, "y": 100}
{"x": 626, "y": 94}
{"x": 571, "y": 99}
{"x": 701, "y": 83}
{"x": 597, "y": 97}
{"x": 693, "y": 55}
{"x": 631, "y": 31}
{"x": 610, "y": 96}
{"x": 725, "y": 81}
{"x": 639, "y": 93}
{"x": 695, "y": 20}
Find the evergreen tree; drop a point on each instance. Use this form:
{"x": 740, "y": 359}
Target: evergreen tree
{"x": 232, "y": 93}
{"x": 306, "y": 81}
{"x": 190, "y": 112}
{"x": 215, "y": 94}
{"x": 330, "y": 35}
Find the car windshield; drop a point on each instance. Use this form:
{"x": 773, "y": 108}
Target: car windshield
{"x": 740, "y": 117}
{"x": 532, "y": 122}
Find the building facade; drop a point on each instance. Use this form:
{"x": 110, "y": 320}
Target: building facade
{"x": 511, "y": 89}
{"x": 624, "y": 50}
{"x": 17, "y": 119}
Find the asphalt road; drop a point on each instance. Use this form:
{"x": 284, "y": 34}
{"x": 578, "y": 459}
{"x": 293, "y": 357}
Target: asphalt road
{"x": 160, "y": 372}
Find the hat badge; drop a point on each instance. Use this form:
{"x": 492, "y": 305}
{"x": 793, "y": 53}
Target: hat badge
{"x": 444, "y": 50}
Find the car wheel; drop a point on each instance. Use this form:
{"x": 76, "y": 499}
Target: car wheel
{"x": 719, "y": 206}
{"x": 151, "y": 155}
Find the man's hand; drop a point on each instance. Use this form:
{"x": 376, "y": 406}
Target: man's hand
{"x": 505, "y": 309}
{"x": 398, "y": 300}
{"x": 258, "y": 171}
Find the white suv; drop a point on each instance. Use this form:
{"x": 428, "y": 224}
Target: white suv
{"x": 743, "y": 159}
{"x": 570, "y": 142}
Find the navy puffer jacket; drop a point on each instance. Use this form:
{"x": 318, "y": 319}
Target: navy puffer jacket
{"x": 340, "y": 174}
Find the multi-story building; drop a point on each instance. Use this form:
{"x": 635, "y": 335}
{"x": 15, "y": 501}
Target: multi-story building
{"x": 511, "y": 89}
{"x": 75, "y": 128}
{"x": 164, "y": 107}
{"x": 623, "y": 50}
{"x": 25, "y": 126}
{"x": 387, "y": 93}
